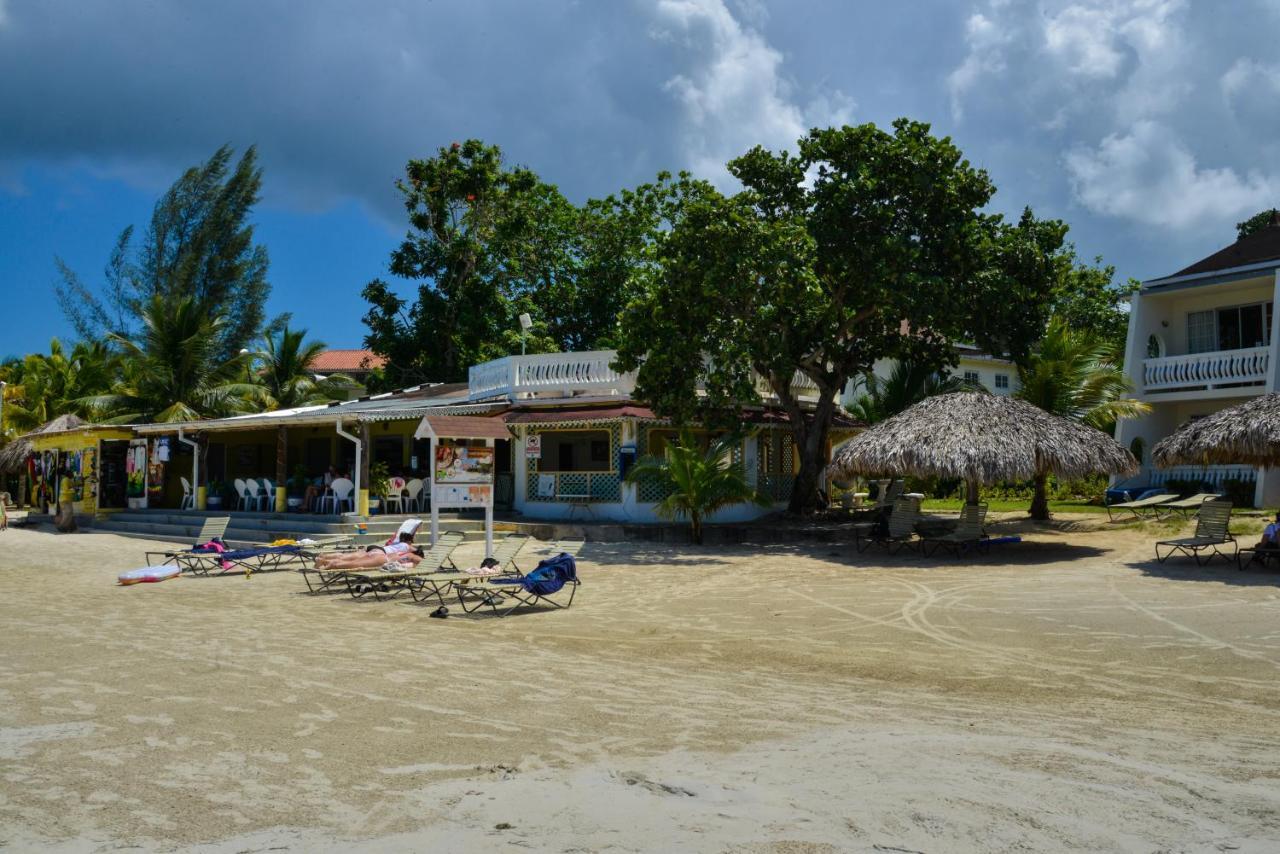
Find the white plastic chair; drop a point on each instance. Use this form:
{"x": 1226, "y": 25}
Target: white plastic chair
{"x": 413, "y": 496}
{"x": 188, "y": 496}
{"x": 341, "y": 496}
{"x": 251, "y": 494}
{"x": 242, "y": 494}
{"x": 395, "y": 494}
{"x": 268, "y": 497}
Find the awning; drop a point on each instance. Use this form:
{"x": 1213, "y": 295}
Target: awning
{"x": 461, "y": 427}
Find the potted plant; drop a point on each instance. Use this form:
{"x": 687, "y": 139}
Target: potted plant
{"x": 213, "y": 498}
{"x": 379, "y": 485}
{"x": 297, "y": 486}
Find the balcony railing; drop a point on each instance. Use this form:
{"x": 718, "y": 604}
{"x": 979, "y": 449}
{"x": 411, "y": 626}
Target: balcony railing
{"x": 553, "y": 374}
{"x": 1206, "y": 370}
{"x": 563, "y": 373}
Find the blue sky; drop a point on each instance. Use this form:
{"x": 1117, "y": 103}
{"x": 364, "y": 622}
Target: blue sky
{"x": 1151, "y": 126}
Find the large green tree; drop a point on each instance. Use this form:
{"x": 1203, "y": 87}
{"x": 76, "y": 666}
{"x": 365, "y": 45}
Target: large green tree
{"x": 866, "y": 244}
{"x": 199, "y": 244}
{"x": 483, "y": 238}
{"x": 1087, "y": 297}
{"x": 488, "y": 242}
{"x": 1072, "y": 373}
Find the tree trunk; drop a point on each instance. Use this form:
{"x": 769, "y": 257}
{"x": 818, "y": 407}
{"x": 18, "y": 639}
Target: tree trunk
{"x": 1040, "y": 499}
{"x": 971, "y": 492}
{"x": 695, "y": 528}
{"x": 811, "y": 445}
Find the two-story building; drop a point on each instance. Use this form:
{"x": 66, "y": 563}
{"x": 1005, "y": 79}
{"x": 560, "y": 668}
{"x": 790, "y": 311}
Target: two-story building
{"x": 1200, "y": 340}
{"x": 977, "y": 367}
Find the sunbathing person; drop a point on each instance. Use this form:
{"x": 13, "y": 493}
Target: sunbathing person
{"x": 376, "y": 556}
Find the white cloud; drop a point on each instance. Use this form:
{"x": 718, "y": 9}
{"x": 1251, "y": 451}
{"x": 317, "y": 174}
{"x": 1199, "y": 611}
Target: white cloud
{"x": 733, "y": 92}
{"x": 1150, "y": 176}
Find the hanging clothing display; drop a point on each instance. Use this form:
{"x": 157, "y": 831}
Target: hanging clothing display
{"x": 155, "y": 470}
{"x": 136, "y": 469}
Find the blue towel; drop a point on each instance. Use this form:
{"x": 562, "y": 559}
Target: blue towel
{"x": 548, "y": 577}
{"x": 245, "y": 554}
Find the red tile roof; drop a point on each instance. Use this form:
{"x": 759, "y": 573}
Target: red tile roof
{"x": 347, "y": 360}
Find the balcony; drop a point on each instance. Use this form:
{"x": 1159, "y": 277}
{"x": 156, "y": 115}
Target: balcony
{"x": 549, "y": 375}
{"x": 1213, "y": 370}
{"x": 552, "y": 375}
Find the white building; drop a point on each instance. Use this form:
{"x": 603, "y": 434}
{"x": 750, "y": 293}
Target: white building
{"x": 1201, "y": 340}
{"x": 996, "y": 375}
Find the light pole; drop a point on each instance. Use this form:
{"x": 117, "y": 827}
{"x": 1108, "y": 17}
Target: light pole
{"x": 2, "y": 385}
{"x": 526, "y": 323}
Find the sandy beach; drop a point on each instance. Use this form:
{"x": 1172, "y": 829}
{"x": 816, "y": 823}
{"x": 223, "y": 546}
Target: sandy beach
{"x": 1067, "y": 694}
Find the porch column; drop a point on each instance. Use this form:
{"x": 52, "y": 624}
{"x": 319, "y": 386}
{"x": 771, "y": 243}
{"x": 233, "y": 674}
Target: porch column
{"x": 1134, "y": 352}
{"x": 202, "y": 485}
{"x": 282, "y": 467}
{"x": 362, "y": 500}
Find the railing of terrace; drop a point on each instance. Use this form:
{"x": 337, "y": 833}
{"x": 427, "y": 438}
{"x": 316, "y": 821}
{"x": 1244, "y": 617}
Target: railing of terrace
{"x": 1213, "y": 369}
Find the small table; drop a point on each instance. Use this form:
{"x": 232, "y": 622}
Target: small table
{"x": 577, "y": 501}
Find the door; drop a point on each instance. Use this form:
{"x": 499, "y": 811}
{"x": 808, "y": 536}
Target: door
{"x": 111, "y": 475}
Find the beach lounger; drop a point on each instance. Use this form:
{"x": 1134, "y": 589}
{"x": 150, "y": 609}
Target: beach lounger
{"x": 1211, "y": 535}
{"x": 250, "y": 560}
{"x": 437, "y": 585}
{"x": 900, "y": 532}
{"x": 1151, "y": 503}
{"x": 214, "y": 528}
{"x": 385, "y": 583}
{"x": 545, "y": 584}
{"x": 1185, "y": 506}
{"x": 507, "y": 550}
{"x": 969, "y": 533}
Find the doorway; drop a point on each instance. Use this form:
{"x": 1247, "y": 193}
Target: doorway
{"x": 111, "y": 475}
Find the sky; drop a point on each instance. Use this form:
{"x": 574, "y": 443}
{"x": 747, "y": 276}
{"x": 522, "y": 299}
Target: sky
{"x": 1150, "y": 126}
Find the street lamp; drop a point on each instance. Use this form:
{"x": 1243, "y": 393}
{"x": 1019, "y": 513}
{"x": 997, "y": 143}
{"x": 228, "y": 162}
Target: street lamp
{"x": 2, "y": 385}
{"x": 526, "y": 323}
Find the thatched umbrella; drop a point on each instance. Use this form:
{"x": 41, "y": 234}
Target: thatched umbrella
{"x": 1247, "y": 434}
{"x": 980, "y": 438}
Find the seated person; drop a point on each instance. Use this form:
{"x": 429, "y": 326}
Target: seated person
{"x": 317, "y": 487}
{"x": 1270, "y": 535}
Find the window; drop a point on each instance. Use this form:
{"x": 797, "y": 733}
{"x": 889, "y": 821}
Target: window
{"x": 1239, "y": 327}
{"x": 575, "y": 450}
{"x": 971, "y": 377}
{"x": 1200, "y": 338}
{"x": 1002, "y": 382}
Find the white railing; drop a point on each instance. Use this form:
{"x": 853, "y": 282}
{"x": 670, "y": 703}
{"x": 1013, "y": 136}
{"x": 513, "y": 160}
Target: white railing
{"x": 564, "y": 373}
{"x": 1218, "y": 368}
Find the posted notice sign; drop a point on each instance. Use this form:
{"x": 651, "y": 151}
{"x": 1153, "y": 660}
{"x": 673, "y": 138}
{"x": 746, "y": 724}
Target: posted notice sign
{"x": 533, "y": 446}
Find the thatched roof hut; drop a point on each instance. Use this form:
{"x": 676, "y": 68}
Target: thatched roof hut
{"x": 1247, "y": 434}
{"x": 13, "y": 456}
{"x": 62, "y": 423}
{"x": 980, "y": 438}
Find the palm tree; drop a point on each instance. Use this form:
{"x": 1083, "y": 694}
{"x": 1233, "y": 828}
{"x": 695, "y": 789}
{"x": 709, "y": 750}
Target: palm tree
{"x": 283, "y": 374}
{"x": 908, "y": 383}
{"x": 1072, "y": 373}
{"x": 42, "y": 387}
{"x": 697, "y": 482}
{"x": 174, "y": 371}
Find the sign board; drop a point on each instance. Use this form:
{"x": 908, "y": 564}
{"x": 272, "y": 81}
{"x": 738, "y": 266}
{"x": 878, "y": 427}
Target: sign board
{"x": 533, "y": 446}
{"x": 464, "y": 495}
{"x": 460, "y": 464}
{"x": 546, "y": 486}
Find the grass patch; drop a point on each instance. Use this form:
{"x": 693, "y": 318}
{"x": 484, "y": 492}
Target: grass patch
{"x": 1013, "y": 505}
